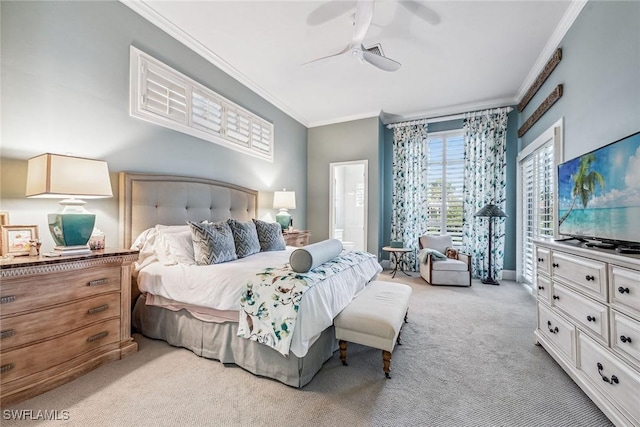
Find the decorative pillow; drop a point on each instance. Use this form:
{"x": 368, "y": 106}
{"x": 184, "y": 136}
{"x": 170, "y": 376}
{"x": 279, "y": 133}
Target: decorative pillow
{"x": 451, "y": 253}
{"x": 269, "y": 235}
{"x": 212, "y": 243}
{"x": 311, "y": 256}
{"x": 245, "y": 237}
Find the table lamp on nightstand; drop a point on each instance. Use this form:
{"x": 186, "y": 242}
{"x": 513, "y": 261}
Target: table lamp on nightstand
{"x": 284, "y": 200}
{"x": 69, "y": 178}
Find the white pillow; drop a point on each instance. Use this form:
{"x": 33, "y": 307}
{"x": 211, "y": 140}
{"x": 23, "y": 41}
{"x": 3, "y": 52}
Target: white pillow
{"x": 174, "y": 245}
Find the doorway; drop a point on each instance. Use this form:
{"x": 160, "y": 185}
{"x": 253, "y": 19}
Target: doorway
{"x": 349, "y": 203}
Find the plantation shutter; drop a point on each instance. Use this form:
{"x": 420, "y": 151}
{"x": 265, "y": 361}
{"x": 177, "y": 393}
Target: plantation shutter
{"x": 163, "y": 93}
{"x": 538, "y": 188}
{"x": 206, "y": 112}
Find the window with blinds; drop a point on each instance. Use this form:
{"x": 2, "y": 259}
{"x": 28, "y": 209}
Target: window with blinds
{"x": 164, "y": 96}
{"x": 445, "y": 180}
{"x": 538, "y": 187}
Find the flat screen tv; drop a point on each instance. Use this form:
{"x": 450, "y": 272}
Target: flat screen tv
{"x": 599, "y": 195}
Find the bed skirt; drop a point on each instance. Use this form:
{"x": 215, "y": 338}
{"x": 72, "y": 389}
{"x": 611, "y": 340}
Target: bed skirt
{"x": 219, "y": 341}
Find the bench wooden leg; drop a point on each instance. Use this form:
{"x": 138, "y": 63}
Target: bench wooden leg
{"x": 343, "y": 352}
{"x": 399, "y": 339}
{"x": 386, "y": 363}
{"x": 406, "y": 314}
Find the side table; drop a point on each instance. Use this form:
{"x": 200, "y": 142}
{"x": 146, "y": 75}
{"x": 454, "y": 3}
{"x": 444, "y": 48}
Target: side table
{"x": 398, "y": 254}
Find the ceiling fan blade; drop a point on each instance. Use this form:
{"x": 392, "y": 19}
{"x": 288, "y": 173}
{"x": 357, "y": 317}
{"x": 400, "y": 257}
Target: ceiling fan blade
{"x": 363, "y": 18}
{"x": 381, "y": 62}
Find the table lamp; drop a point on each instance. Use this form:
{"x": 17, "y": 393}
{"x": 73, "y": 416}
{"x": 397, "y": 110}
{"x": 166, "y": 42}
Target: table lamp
{"x": 284, "y": 200}
{"x": 71, "y": 179}
{"x": 490, "y": 211}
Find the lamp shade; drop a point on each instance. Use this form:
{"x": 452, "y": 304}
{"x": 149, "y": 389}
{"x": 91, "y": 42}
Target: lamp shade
{"x": 69, "y": 178}
{"x": 490, "y": 211}
{"x": 63, "y": 177}
{"x": 284, "y": 199}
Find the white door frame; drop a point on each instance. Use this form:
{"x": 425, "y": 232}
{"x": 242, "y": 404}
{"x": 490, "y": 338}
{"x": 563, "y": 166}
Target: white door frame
{"x": 332, "y": 167}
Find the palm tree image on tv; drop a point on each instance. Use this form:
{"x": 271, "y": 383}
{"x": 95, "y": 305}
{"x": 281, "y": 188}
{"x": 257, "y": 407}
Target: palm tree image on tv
{"x": 598, "y": 194}
{"x": 585, "y": 181}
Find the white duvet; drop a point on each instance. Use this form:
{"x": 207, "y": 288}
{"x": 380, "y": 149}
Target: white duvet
{"x": 219, "y": 287}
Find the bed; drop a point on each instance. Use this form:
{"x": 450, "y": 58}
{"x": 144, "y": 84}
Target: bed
{"x": 148, "y": 202}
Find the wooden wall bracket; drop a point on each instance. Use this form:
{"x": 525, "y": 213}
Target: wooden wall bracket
{"x": 542, "y": 77}
{"x": 546, "y": 104}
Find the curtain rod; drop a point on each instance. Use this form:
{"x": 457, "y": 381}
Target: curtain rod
{"x": 449, "y": 117}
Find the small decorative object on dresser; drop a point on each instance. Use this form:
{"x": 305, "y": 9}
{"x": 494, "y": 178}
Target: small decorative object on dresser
{"x": 589, "y": 322}
{"x": 15, "y": 239}
{"x": 296, "y": 238}
{"x": 62, "y": 317}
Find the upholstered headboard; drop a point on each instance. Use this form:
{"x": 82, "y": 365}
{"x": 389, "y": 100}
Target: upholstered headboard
{"x": 147, "y": 200}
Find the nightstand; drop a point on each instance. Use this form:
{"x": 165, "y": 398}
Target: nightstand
{"x": 297, "y": 238}
{"x": 62, "y": 317}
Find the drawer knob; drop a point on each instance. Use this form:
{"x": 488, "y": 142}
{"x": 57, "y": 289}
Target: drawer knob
{"x": 591, "y": 319}
{"x": 99, "y": 282}
{"x": 623, "y": 290}
{"x": 554, "y": 265}
{"x": 613, "y": 380}
{"x": 540, "y": 259}
{"x": 541, "y": 288}
{"x": 556, "y": 297}
{"x": 625, "y": 339}
{"x": 552, "y": 330}
{"x": 589, "y": 278}
{"x": 6, "y": 368}
{"x": 8, "y": 333}
{"x": 96, "y": 337}
{"x": 7, "y": 299}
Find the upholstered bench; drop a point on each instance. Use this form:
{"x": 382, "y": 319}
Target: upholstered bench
{"x": 374, "y": 319}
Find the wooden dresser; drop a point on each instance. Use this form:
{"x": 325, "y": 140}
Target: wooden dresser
{"x": 589, "y": 322}
{"x": 297, "y": 238}
{"x": 62, "y": 317}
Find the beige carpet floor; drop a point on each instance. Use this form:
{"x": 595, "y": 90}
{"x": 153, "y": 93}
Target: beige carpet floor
{"x": 468, "y": 359}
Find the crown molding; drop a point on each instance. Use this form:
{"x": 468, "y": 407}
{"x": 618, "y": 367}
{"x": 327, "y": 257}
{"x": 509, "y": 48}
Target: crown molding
{"x": 143, "y": 9}
{"x": 344, "y": 119}
{"x": 567, "y": 20}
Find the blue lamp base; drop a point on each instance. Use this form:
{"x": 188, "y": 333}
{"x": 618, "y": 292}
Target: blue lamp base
{"x": 283, "y": 218}
{"x": 71, "y": 232}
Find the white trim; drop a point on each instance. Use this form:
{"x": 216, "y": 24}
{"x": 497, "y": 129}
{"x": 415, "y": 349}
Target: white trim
{"x": 567, "y": 20}
{"x": 509, "y": 275}
{"x": 368, "y": 115}
{"x": 555, "y": 132}
{"x": 145, "y": 10}
{"x": 449, "y": 118}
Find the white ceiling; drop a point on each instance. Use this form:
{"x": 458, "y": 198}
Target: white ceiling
{"x": 456, "y": 56}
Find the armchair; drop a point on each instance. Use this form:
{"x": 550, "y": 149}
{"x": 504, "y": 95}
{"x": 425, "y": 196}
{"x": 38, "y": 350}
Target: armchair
{"x": 448, "y": 271}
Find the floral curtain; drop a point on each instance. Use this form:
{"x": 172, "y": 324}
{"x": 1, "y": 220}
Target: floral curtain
{"x": 409, "y": 194}
{"x": 485, "y": 135}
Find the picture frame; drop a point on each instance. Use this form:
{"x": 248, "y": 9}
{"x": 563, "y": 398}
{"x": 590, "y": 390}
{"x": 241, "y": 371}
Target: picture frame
{"x": 4, "y": 218}
{"x": 15, "y": 239}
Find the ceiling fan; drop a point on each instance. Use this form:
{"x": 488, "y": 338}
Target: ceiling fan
{"x": 355, "y": 49}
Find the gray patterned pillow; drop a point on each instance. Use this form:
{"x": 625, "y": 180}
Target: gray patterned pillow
{"x": 269, "y": 235}
{"x": 245, "y": 236}
{"x": 212, "y": 242}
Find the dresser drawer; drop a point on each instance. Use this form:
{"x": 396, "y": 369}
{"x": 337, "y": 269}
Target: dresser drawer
{"x": 23, "y": 329}
{"x": 41, "y": 290}
{"x": 543, "y": 256}
{"x": 611, "y": 376}
{"x": 588, "y": 313}
{"x": 625, "y": 336}
{"x": 544, "y": 288}
{"x": 625, "y": 289}
{"x": 25, "y": 361}
{"x": 557, "y": 330}
{"x": 582, "y": 273}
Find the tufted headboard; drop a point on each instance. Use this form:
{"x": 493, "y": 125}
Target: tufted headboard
{"x": 146, "y": 200}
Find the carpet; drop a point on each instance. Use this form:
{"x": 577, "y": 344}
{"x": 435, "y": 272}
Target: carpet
{"x": 468, "y": 359}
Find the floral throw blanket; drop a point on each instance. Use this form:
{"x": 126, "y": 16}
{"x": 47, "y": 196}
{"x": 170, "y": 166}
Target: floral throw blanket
{"x": 270, "y": 303}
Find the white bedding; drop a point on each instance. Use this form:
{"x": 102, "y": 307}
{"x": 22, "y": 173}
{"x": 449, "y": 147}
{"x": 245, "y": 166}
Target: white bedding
{"x": 219, "y": 287}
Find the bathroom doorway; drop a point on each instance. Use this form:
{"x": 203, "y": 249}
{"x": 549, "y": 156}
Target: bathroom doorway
{"x": 348, "y": 204}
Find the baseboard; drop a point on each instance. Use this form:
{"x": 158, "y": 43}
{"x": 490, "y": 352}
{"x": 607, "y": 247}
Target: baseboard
{"x": 509, "y": 275}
